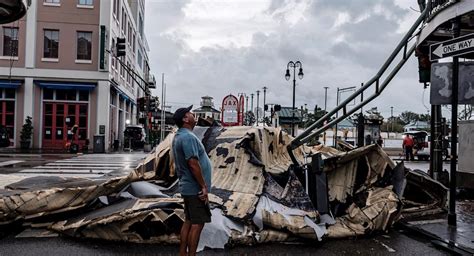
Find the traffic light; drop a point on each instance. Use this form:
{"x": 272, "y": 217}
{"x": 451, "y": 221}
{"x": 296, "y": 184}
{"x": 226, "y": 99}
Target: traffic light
{"x": 265, "y": 107}
{"x": 277, "y": 107}
{"x": 142, "y": 104}
{"x": 121, "y": 47}
{"x": 153, "y": 104}
{"x": 424, "y": 66}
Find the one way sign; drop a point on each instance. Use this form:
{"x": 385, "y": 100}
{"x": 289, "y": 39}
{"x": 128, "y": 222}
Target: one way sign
{"x": 453, "y": 47}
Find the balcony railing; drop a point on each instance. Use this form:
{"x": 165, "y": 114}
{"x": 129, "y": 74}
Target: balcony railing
{"x": 439, "y": 5}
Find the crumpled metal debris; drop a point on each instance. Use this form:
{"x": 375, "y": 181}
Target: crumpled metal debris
{"x": 255, "y": 196}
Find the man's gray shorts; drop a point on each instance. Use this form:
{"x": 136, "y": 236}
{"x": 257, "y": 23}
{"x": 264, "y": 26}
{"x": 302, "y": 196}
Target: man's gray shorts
{"x": 196, "y": 210}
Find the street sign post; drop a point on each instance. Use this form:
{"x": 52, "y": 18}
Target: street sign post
{"x": 453, "y": 47}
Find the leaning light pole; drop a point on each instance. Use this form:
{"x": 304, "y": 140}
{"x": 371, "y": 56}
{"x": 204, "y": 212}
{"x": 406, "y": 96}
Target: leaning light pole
{"x": 293, "y": 65}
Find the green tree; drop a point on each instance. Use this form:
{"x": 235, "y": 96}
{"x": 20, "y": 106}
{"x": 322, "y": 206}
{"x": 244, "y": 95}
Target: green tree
{"x": 315, "y": 116}
{"x": 408, "y": 117}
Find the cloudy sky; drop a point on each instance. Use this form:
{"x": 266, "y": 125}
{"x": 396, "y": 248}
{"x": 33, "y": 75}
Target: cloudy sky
{"x": 221, "y": 47}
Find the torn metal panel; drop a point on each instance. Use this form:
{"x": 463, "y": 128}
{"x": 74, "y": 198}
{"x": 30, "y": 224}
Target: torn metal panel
{"x": 44, "y": 195}
{"x": 218, "y": 233}
{"x": 378, "y": 213}
{"x": 256, "y": 195}
{"x": 156, "y": 220}
{"x": 240, "y": 205}
{"x": 423, "y": 195}
{"x": 233, "y": 173}
{"x": 279, "y": 217}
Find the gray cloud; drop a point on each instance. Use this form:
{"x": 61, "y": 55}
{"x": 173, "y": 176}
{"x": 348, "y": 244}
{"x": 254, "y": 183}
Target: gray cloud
{"x": 343, "y": 55}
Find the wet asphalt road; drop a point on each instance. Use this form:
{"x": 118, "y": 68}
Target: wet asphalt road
{"x": 394, "y": 243}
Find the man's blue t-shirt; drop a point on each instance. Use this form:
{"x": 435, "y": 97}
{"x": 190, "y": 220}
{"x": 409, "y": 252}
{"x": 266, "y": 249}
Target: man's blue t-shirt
{"x": 185, "y": 146}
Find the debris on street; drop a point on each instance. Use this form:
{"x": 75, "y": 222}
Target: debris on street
{"x": 257, "y": 195}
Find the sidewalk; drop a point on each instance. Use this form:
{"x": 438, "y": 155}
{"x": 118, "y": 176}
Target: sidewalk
{"x": 56, "y": 152}
{"x": 457, "y": 239}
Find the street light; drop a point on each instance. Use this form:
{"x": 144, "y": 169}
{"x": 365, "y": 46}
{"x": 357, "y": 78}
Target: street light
{"x": 293, "y": 65}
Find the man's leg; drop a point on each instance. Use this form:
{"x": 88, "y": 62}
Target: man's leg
{"x": 183, "y": 246}
{"x": 193, "y": 238}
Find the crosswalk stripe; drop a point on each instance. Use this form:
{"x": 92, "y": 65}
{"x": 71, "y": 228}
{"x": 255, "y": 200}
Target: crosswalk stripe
{"x": 86, "y": 164}
{"x": 27, "y": 175}
{"x": 78, "y": 171}
{"x": 76, "y": 167}
{"x": 11, "y": 162}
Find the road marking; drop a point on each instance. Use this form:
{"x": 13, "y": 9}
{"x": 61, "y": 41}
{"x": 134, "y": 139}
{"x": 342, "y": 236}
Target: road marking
{"x": 389, "y": 249}
{"x": 11, "y": 162}
{"x": 75, "y": 167}
{"x": 28, "y": 175}
{"x": 77, "y": 171}
{"x": 85, "y": 164}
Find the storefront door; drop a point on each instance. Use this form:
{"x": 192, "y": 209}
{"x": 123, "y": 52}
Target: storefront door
{"x": 57, "y": 116}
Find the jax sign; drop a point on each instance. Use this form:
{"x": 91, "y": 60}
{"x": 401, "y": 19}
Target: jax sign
{"x": 230, "y": 111}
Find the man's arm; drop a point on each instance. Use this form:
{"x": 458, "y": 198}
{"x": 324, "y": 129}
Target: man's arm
{"x": 195, "y": 168}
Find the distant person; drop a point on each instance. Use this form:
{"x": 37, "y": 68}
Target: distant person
{"x": 194, "y": 172}
{"x": 380, "y": 141}
{"x": 368, "y": 140}
{"x": 408, "y": 148}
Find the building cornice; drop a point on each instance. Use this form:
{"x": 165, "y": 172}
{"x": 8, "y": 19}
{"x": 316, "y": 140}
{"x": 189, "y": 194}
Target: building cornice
{"x": 56, "y": 74}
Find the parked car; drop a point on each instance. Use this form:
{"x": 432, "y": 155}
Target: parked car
{"x": 4, "y": 138}
{"x": 134, "y": 134}
{"x": 421, "y": 148}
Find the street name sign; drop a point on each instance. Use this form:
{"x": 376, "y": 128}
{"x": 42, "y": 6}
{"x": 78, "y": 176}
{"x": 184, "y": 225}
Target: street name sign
{"x": 453, "y": 47}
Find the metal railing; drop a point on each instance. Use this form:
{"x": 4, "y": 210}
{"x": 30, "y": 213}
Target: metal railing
{"x": 380, "y": 80}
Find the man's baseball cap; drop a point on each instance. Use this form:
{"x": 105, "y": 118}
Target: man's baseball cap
{"x": 180, "y": 113}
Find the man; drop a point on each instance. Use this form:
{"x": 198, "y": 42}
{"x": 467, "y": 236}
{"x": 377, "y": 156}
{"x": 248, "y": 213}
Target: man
{"x": 408, "y": 147}
{"x": 194, "y": 172}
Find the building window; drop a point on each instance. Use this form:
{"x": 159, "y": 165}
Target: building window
{"x": 116, "y": 8}
{"x": 52, "y": 1}
{"x": 86, "y": 2}
{"x": 51, "y": 44}
{"x": 113, "y": 50}
{"x": 133, "y": 42}
{"x": 139, "y": 59}
{"x": 10, "y": 41}
{"x": 84, "y": 45}
{"x": 140, "y": 25}
{"x": 129, "y": 34}
{"x": 124, "y": 20}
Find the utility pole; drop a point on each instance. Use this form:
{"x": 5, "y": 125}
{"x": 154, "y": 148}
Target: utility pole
{"x": 391, "y": 118}
{"x": 246, "y": 110}
{"x": 454, "y": 130}
{"x": 251, "y": 105}
{"x": 325, "y": 97}
{"x": 258, "y": 93}
{"x": 264, "y": 98}
{"x": 246, "y": 103}
{"x": 163, "y": 111}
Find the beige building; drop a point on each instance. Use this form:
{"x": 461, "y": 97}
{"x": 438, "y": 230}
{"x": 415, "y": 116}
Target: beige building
{"x": 56, "y": 66}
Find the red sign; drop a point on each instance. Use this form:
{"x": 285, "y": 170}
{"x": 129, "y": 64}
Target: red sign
{"x": 241, "y": 110}
{"x": 230, "y": 111}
